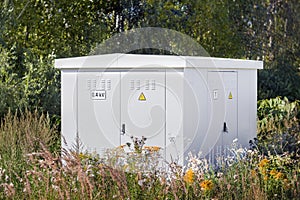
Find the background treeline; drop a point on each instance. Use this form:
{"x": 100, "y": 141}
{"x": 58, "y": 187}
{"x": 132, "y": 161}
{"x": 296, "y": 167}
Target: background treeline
{"x": 35, "y": 32}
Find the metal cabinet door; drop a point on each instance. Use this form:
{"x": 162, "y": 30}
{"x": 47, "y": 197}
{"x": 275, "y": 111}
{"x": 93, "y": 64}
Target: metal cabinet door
{"x": 143, "y": 107}
{"x": 98, "y": 110}
{"x": 224, "y": 120}
{"x": 231, "y": 116}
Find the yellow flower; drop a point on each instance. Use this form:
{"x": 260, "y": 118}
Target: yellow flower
{"x": 152, "y": 148}
{"x": 84, "y": 168}
{"x": 263, "y": 171}
{"x": 189, "y": 176}
{"x": 273, "y": 172}
{"x": 278, "y": 176}
{"x": 207, "y": 185}
{"x": 253, "y": 173}
{"x": 83, "y": 156}
{"x": 121, "y": 146}
{"x": 155, "y": 148}
{"x": 263, "y": 163}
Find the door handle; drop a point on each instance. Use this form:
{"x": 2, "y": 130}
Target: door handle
{"x": 225, "y": 129}
{"x": 123, "y": 129}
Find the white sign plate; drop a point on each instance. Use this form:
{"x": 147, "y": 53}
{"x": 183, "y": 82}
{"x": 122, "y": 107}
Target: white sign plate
{"x": 98, "y": 95}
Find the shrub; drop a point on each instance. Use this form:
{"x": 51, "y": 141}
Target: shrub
{"x": 278, "y": 127}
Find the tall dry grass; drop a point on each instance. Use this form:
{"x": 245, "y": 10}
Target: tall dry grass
{"x": 32, "y": 167}
{"x": 22, "y": 133}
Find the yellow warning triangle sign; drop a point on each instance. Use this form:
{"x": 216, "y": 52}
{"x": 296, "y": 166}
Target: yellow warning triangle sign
{"x": 142, "y": 97}
{"x": 230, "y": 95}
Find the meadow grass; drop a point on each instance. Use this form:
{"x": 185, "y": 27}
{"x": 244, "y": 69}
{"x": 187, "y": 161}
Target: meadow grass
{"x": 32, "y": 166}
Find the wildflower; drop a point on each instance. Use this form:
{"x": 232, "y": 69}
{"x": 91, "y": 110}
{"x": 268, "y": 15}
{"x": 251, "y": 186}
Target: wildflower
{"x": 228, "y": 186}
{"x": 278, "y": 176}
{"x": 273, "y": 172}
{"x": 125, "y": 167}
{"x": 100, "y": 165}
{"x": 253, "y": 173}
{"x": 263, "y": 163}
{"x": 85, "y": 168}
{"x": 286, "y": 183}
{"x": 141, "y": 182}
{"x": 189, "y": 176}
{"x": 240, "y": 151}
{"x": 121, "y": 146}
{"x": 207, "y": 185}
{"x": 55, "y": 187}
{"x": 152, "y": 148}
{"x": 219, "y": 174}
{"x": 235, "y": 177}
{"x": 263, "y": 171}
{"x": 155, "y": 148}
{"x": 83, "y": 156}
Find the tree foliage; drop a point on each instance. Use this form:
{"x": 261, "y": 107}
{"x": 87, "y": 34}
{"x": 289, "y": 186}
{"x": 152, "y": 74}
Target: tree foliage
{"x": 34, "y": 32}
{"x": 37, "y": 87}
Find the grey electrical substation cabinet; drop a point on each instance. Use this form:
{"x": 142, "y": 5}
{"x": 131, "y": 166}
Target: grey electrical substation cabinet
{"x": 179, "y": 103}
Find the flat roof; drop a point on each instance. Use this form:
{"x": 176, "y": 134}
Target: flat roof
{"x": 130, "y": 61}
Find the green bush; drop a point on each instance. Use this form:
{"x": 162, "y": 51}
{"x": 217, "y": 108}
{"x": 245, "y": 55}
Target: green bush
{"x": 278, "y": 127}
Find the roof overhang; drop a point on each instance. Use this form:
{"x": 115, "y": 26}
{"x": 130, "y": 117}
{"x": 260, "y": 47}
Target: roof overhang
{"x": 131, "y": 61}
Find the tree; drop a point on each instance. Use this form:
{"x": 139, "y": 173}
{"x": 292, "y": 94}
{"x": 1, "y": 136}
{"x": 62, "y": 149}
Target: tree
{"x": 60, "y": 28}
{"x": 34, "y": 32}
{"x": 208, "y": 22}
{"x": 269, "y": 31}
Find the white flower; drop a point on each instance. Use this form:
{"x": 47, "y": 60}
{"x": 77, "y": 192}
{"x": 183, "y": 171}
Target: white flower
{"x": 240, "y": 150}
{"x": 141, "y": 182}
